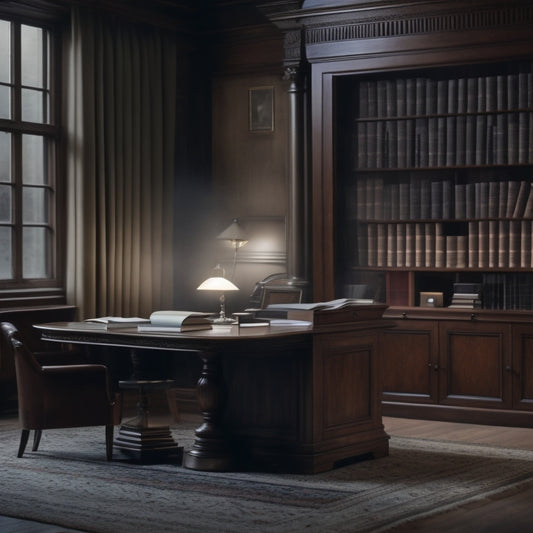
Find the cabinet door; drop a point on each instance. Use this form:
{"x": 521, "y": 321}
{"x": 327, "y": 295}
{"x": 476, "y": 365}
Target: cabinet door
{"x": 409, "y": 362}
{"x": 474, "y": 358}
{"x": 522, "y": 368}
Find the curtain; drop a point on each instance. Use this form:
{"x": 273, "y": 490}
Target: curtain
{"x": 120, "y": 123}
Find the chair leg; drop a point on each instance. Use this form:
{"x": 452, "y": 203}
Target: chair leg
{"x": 36, "y": 439}
{"x": 109, "y": 441}
{"x": 23, "y": 441}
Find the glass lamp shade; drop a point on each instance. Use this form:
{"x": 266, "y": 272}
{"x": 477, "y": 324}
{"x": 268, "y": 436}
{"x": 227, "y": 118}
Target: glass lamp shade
{"x": 217, "y": 283}
{"x": 234, "y": 233}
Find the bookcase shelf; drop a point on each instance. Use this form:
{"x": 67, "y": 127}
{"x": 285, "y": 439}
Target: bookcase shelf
{"x": 435, "y": 184}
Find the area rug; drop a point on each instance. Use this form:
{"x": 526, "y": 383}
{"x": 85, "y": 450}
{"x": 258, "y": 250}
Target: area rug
{"x": 68, "y": 482}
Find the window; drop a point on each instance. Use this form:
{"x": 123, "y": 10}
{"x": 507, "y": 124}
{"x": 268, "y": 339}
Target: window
{"x": 29, "y": 134}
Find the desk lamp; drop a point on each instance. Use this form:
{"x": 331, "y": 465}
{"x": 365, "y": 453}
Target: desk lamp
{"x": 235, "y": 234}
{"x": 220, "y": 284}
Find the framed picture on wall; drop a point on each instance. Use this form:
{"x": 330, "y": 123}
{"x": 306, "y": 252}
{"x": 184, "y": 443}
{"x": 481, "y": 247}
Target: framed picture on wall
{"x": 261, "y": 109}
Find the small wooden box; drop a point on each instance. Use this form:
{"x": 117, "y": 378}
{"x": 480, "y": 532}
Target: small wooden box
{"x": 431, "y": 299}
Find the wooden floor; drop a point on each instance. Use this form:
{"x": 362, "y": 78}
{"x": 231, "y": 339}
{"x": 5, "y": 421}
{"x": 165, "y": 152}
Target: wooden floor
{"x": 512, "y": 514}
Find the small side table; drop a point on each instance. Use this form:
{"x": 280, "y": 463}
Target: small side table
{"x": 138, "y": 437}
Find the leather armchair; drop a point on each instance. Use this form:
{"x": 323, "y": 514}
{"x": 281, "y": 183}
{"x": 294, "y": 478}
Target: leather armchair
{"x": 60, "y": 396}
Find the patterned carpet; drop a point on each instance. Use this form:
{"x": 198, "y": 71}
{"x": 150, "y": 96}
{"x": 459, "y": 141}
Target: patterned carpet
{"x": 68, "y": 482}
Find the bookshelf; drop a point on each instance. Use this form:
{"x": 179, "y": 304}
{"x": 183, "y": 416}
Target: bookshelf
{"x": 435, "y": 183}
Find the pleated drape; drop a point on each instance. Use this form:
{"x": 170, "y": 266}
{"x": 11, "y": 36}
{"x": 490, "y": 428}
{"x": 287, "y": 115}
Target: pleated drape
{"x": 120, "y": 119}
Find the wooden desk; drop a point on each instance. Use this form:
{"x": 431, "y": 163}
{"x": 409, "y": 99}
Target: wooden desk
{"x": 276, "y": 398}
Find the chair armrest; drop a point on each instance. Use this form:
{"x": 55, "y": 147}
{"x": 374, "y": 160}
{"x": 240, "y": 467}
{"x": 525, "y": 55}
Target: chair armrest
{"x": 61, "y": 357}
{"x": 51, "y": 370}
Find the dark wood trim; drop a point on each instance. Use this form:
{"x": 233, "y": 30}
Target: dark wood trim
{"x": 468, "y": 415}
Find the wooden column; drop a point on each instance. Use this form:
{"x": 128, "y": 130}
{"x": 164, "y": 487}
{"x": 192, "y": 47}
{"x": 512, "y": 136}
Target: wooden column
{"x": 297, "y": 253}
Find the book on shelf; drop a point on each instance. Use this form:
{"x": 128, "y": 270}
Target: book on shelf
{"x": 468, "y": 305}
{"x": 112, "y": 322}
{"x": 176, "y": 322}
{"x": 528, "y": 209}
{"x": 458, "y": 298}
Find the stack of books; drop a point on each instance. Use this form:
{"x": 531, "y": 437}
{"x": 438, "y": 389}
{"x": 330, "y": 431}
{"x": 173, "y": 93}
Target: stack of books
{"x": 466, "y": 296}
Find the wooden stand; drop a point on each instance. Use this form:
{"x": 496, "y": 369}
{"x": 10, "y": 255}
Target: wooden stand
{"x": 137, "y": 437}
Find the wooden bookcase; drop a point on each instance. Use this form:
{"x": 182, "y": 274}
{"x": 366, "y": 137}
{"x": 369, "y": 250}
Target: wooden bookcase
{"x": 434, "y": 184}
{"x": 422, "y": 165}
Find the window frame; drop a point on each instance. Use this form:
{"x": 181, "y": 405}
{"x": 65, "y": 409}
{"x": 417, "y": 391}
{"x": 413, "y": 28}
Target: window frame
{"x": 19, "y": 292}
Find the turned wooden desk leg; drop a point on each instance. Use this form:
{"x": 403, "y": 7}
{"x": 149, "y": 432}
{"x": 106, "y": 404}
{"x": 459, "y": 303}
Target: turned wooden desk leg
{"x": 210, "y": 450}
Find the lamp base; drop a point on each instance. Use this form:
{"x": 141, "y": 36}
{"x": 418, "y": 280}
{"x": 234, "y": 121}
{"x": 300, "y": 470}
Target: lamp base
{"x": 223, "y": 320}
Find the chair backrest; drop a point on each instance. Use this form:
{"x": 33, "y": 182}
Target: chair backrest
{"x": 28, "y": 374}
{"x": 276, "y": 288}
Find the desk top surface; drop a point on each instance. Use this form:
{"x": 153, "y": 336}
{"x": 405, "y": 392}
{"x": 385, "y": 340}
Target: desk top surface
{"x": 217, "y": 332}
{"x": 86, "y": 333}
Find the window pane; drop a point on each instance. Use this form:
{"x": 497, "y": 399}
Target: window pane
{"x": 34, "y": 160}
{"x": 5, "y": 156}
{"x": 5, "y": 51}
{"x": 34, "y": 205}
{"x": 34, "y": 106}
{"x": 32, "y": 54}
{"x": 5, "y": 101}
{"x": 6, "y": 257}
{"x": 35, "y": 253}
{"x": 5, "y": 204}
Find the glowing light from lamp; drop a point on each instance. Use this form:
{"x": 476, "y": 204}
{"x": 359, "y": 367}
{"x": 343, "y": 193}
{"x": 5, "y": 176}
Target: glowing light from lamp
{"x": 222, "y": 285}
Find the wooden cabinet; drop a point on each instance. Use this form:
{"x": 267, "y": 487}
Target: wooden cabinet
{"x": 421, "y": 136}
{"x": 474, "y": 364}
{"x": 522, "y": 367}
{"x": 410, "y": 362}
{"x": 461, "y": 367}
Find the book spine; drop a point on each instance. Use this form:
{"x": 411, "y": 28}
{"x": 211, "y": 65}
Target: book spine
{"x": 372, "y": 250}
{"x": 451, "y": 251}
{"x": 440, "y": 244}
{"x": 429, "y": 245}
{"x": 401, "y": 245}
{"x": 415, "y": 198}
{"x": 525, "y": 244}
{"x": 382, "y": 245}
{"x": 462, "y": 251}
{"x": 420, "y": 250}
{"x": 493, "y": 243}
{"x": 483, "y": 232}
{"x": 410, "y": 245}
{"x": 391, "y": 245}
{"x": 513, "y": 255}
{"x": 473, "y": 245}
{"x": 503, "y": 244}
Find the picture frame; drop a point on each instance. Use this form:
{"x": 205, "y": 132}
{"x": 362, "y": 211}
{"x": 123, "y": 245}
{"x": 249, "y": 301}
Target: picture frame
{"x": 261, "y": 109}
{"x": 431, "y": 299}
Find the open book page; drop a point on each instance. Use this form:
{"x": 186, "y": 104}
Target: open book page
{"x": 117, "y": 321}
{"x": 176, "y": 321}
{"x": 177, "y": 318}
{"x": 333, "y": 304}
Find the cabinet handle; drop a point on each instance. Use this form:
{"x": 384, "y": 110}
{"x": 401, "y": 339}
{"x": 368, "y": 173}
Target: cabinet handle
{"x": 508, "y": 368}
{"x": 404, "y": 315}
{"x": 473, "y": 316}
{"x": 436, "y": 368}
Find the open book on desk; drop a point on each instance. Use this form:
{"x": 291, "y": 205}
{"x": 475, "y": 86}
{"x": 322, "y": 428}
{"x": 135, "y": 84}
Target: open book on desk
{"x": 335, "y": 311}
{"x": 111, "y": 322}
{"x": 322, "y": 306}
{"x": 175, "y": 322}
